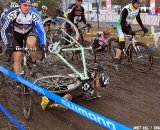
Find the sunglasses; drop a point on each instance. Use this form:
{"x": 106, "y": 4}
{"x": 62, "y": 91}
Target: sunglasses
{"x": 27, "y": 5}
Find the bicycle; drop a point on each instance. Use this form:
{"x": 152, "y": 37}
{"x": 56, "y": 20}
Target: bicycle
{"x": 26, "y": 93}
{"x": 136, "y": 53}
{"x": 63, "y": 84}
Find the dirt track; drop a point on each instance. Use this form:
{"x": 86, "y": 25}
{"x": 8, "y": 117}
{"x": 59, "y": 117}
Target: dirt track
{"x": 132, "y": 99}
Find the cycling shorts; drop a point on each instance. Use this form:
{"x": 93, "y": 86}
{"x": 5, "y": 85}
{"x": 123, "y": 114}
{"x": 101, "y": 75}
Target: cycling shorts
{"x": 18, "y": 38}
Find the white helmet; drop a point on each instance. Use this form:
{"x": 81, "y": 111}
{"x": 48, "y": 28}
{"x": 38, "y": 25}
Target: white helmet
{"x": 14, "y": 4}
{"x": 35, "y": 4}
{"x": 44, "y": 7}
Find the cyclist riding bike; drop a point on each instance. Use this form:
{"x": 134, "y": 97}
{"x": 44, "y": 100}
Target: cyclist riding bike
{"x": 43, "y": 12}
{"x": 24, "y": 21}
{"x": 75, "y": 15}
{"x": 46, "y": 19}
{"x": 35, "y": 5}
{"x": 128, "y": 15}
{"x": 14, "y": 4}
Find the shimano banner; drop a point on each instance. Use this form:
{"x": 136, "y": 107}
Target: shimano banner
{"x": 99, "y": 119}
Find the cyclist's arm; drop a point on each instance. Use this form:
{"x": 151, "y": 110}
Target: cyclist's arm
{"x": 70, "y": 12}
{"x": 40, "y": 28}
{"x": 139, "y": 20}
{"x": 124, "y": 22}
{"x": 83, "y": 16}
{"x": 5, "y": 30}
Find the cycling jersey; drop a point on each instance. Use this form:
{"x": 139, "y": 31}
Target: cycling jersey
{"x": 23, "y": 23}
{"x": 100, "y": 41}
{"x": 76, "y": 14}
{"x": 128, "y": 15}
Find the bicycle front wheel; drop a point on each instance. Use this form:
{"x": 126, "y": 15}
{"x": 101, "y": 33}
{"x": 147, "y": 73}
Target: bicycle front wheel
{"x": 27, "y": 102}
{"x": 141, "y": 57}
{"x": 58, "y": 83}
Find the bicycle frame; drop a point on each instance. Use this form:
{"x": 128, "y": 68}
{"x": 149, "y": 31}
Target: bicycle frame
{"x": 84, "y": 75}
{"x": 131, "y": 41}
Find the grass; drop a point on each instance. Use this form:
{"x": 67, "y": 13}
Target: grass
{"x": 146, "y": 39}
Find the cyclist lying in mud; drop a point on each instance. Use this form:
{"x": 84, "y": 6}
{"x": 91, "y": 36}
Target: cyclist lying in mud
{"x": 101, "y": 41}
{"x": 97, "y": 80}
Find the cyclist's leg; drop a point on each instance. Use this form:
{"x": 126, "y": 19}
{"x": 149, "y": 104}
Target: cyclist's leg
{"x": 17, "y": 55}
{"x": 121, "y": 45}
{"x": 31, "y": 43}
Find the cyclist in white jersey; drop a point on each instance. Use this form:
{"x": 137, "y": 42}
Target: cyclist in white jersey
{"x": 24, "y": 21}
{"x": 128, "y": 15}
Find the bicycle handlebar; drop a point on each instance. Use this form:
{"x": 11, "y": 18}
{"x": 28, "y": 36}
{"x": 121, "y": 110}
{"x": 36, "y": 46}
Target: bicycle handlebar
{"x": 88, "y": 26}
{"x": 139, "y": 31}
{"x": 26, "y": 49}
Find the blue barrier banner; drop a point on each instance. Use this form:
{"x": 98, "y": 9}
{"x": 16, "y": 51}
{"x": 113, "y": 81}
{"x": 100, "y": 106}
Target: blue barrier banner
{"x": 11, "y": 118}
{"x": 99, "y": 119}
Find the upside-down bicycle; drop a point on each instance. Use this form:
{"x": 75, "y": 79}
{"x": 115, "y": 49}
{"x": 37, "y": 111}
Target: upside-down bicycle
{"x": 62, "y": 84}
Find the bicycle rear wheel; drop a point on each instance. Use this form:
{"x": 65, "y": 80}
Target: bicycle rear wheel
{"x": 141, "y": 57}
{"x": 58, "y": 83}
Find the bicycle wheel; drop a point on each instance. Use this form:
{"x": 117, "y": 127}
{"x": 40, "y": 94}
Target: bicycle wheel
{"x": 58, "y": 83}
{"x": 112, "y": 45}
{"x": 141, "y": 57}
{"x": 59, "y": 32}
{"x": 27, "y": 101}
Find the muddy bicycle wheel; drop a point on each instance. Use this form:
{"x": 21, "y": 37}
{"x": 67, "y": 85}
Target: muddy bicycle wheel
{"x": 58, "y": 83}
{"x": 27, "y": 99}
{"x": 141, "y": 57}
{"x": 27, "y": 102}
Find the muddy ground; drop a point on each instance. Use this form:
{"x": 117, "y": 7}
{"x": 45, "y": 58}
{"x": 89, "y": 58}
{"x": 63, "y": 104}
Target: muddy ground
{"x": 132, "y": 98}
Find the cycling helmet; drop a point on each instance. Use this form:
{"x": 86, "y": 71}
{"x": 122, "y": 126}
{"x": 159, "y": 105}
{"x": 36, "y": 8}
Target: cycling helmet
{"x": 35, "y": 4}
{"x": 14, "y": 4}
{"x": 44, "y": 7}
{"x": 104, "y": 80}
{"x": 136, "y": 1}
{"x": 24, "y": 1}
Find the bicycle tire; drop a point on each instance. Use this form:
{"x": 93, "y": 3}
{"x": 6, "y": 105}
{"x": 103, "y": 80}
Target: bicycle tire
{"x": 59, "y": 30}
{"x": 57, "y": 83}
{"x": 27, "y": 101}
{"x": 143, "y": 52}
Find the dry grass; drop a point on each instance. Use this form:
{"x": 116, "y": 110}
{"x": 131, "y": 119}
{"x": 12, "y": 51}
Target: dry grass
{"x": 146, "y": 39}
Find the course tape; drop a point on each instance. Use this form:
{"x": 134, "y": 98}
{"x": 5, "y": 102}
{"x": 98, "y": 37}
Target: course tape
{"x": 11, "y": 118}
{"x": 101, "y": 120}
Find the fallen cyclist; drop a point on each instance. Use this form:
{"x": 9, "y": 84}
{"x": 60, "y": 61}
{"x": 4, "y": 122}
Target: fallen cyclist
{"x": 96, "y": 81}
{"x": 101, "y": 41}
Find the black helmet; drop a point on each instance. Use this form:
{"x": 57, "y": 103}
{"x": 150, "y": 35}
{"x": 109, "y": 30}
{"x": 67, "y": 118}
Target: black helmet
{"x": 136, "y": 1}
